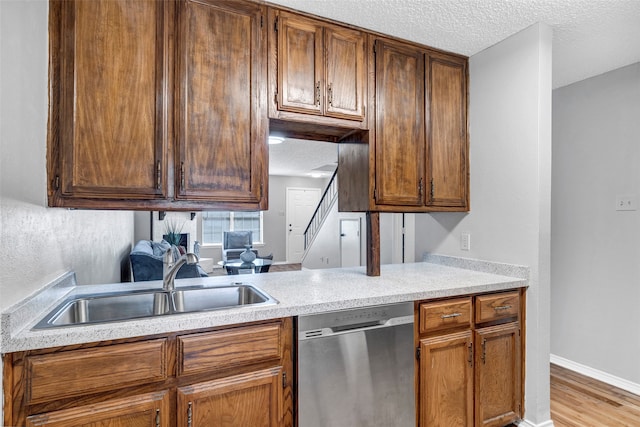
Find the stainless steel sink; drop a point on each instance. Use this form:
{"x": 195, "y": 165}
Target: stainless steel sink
{"x": 190, "y": 300}
{"x": 89, "y": 309}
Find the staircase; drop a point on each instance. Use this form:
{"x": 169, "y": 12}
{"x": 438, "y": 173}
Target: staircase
{"x": 329, "y": 197}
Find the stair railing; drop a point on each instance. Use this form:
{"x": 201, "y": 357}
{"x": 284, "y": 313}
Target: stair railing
{"x": 327, "y": 200}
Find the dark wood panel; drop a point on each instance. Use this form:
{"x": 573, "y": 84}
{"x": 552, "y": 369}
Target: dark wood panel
{"x": 345, "y": 73}
{"x": 222, "y": 131}
{"x": 448, "y": 147}
{"x": 107, "y": 127}
{"x": 400, "y": 132}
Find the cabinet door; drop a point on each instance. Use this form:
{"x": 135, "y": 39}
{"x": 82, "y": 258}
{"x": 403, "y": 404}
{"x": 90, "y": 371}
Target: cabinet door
{"x": 253, "y": 399}
{"x": 446, "y": 380}
{"x": 108, "y": 116}
{"x": 300, "y": 64}
{"x": 400, "y": 131}
{"x": 222, "y": 129}
{"x": 148, "y": 410}
{"x": 497, "y": 375}
{"x": 345, "y": 75}
{"x": 447, "y": 148}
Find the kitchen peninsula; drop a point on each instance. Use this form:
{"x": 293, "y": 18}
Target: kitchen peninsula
{"x": 188, "y": 336}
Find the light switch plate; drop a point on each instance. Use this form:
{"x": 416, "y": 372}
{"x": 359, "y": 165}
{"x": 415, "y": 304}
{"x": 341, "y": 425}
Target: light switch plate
{"x": 465, "y": 241}
{"x": 626, "y": 202}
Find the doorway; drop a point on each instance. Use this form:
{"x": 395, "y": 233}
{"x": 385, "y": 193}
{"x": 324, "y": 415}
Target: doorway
{"x": 301, "y": 204}
{"x": 350, "y": 242}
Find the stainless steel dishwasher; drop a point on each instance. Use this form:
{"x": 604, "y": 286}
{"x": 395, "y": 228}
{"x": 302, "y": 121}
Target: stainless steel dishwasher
{"x": 355, "y": 368}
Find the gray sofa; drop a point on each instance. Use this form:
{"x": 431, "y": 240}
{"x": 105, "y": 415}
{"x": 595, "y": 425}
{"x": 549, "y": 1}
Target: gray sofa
{"x": 146, "y": 262}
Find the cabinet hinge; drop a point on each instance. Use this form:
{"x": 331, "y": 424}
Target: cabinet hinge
{"x": 284, "y": 380}
{"x": 275, "y": 24}
{"x": 418, "y": 353}
{"x": 56, "y": 182}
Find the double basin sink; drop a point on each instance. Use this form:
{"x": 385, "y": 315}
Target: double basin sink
{"x": 100, "y": 308}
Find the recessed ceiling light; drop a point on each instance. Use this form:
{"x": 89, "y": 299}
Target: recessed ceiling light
{"x": 276, "y": 140}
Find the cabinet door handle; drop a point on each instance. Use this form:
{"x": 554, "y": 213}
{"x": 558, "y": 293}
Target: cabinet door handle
{"x": 182, "y": 176}
{"x": 432, "y": 191}
{"x": 158, "y": 175}
{"x": 470, "y": 360}
{"x": 449, "y": 316}
{"x": 330, "y": 95}
{"x": 190, "y": 415}
{"x": 157, "y": 417}
{"x": 420, "y": 188}
{"x": 318, "y": 93}
{"x": 484, "y": 352}
{"x": 502, "y": 307}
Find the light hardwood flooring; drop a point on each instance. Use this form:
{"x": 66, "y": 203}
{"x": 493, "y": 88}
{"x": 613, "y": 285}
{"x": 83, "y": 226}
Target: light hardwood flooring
{"x": 580, "y": 401}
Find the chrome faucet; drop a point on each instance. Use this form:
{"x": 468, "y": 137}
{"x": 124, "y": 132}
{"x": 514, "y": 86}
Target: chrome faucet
{"x": 170, "y": 272}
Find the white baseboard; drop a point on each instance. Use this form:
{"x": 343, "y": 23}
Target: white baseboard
{"x": 596, "y": 374}
{"x": 526, "y": 423}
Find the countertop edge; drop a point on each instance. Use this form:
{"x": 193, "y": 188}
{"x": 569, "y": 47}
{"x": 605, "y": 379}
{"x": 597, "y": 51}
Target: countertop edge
{"x": 440, "y": 277}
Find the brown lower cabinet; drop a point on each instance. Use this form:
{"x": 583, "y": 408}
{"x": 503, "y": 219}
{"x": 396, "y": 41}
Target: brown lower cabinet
{"x": 235, "y": 376}
{"x": 469, "y": 360}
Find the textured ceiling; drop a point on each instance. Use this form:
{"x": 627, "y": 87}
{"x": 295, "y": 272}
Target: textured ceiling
{"x": 590, "y": 37}
{"x": 297, "y": 157}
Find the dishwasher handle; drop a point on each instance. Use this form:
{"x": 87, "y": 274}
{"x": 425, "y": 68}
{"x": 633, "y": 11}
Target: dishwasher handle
{"x": 355, "y": 327}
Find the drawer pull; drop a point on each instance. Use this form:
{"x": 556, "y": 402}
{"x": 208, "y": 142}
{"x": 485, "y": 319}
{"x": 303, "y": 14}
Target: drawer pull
{"x": 449, "y": 316}
{"x": 502, "y": 307}
{"x": 189, "y": 414}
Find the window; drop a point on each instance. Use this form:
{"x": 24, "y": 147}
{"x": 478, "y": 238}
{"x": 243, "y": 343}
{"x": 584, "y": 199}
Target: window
{"x": 215, "y": 223}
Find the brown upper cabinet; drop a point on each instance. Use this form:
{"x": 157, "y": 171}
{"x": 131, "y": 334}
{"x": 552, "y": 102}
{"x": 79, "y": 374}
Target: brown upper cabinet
{"x": 222, "y": 127}
{"x": 108, "y": 124}
{"x": 447, "y": 148}
{"x": 112, "y": 140}
{"x": 317, "y": 71}
{"x": 415, "y": 156}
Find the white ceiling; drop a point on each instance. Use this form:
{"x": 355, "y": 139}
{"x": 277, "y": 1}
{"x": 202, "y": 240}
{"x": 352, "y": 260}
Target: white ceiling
{"x": 590, "y": 37}
{"x": 297, "y": 157}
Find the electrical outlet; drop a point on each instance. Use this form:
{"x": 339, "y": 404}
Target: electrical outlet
{"x": 465, "y": 241}
{"x": 626, "y": 202}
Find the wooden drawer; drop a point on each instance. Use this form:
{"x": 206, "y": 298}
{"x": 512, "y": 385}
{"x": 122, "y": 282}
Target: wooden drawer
{"x": 77, "y": 372}
{"x": 440, "y": 315}
{"x": 229, "y": 347}
{"x": 497, "y": 306}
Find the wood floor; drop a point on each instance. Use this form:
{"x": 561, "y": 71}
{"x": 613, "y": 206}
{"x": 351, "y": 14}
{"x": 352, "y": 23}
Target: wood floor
{"x": 579, "y": 401}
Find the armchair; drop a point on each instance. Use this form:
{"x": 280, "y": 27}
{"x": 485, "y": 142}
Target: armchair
{"x": 234, "y": 242}
{"x": 146, "y": 262}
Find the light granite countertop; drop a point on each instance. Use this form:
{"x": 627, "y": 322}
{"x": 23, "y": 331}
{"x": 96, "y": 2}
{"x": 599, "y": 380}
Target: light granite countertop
{"x": 297, "y": 293}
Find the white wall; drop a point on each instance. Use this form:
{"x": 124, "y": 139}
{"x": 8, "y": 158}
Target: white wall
{"x": 595, "y": 274}
{"x": 40, "y": 243}
{"x": 510, "y": 163}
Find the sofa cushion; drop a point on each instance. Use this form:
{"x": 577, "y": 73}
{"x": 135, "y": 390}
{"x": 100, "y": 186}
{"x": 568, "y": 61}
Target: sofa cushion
{"x": 159, "y": 248}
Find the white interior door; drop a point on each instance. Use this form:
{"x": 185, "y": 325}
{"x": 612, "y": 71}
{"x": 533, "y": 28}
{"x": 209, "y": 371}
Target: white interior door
{"x": 349, "y": 242}
{"x": 301, "y": 204}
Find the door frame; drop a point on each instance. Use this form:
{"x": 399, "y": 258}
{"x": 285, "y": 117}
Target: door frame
{"x": 359, "y": 222}
{"x": 287, "y": 214}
